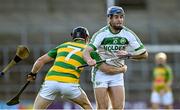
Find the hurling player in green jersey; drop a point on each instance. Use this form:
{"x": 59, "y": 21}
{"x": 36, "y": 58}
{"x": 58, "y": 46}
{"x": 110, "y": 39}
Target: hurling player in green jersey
{"x": 63, "y": 77}
{"x": 162, "y": 81}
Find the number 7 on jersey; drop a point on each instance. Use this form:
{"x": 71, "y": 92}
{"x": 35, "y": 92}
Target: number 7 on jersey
{"x": 75, "y": 49}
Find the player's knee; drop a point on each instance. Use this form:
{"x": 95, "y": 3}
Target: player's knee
{"x": 86, "y": 105}
{"x": 118, "y": 106}
{"x": 155, "y": 106}
{"x": 102, "y": 105}
{"x": 168, "y": 107}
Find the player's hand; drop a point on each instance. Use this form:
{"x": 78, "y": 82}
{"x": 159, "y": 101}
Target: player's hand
{"x": 91, "y": 62}
{"x": 123, "y": 68}
{"x": 123, "y": 53}
{"x": 31, "y": 76}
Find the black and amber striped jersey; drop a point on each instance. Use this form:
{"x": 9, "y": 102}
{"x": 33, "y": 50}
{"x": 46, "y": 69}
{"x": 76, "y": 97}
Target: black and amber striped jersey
{"x": 67, "y": 57}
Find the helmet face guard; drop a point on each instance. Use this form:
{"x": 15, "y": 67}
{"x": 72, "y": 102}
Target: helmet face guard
{"x": 80, "y": 33}
{"x": 114, "y": 10}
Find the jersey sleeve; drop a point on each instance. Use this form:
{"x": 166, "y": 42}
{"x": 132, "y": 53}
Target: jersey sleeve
{"x": 135, "y": 44}
{"x": 96, "y": 57}
{"x": 96, "y": 40}
{"x": 52, "y": 53}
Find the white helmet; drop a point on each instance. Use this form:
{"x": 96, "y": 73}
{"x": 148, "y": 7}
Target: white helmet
{"x": 161, "y": 55}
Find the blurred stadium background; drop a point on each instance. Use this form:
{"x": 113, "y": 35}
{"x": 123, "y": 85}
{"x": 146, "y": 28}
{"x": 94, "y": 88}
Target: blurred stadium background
{"x": 44, "y": 24}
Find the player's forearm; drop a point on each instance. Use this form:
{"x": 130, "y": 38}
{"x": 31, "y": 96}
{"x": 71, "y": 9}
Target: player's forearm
{"x": 109, "y": 69}
{"x": 37, "y": 66}
{"x": 86, "y": 54}
{"x": 40, "y": 63}
{"x": 140, "y": 57}
{"x": 114, "y": 70}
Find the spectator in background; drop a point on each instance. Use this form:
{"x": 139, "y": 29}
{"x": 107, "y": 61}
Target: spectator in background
{"x": 162, "y": 81}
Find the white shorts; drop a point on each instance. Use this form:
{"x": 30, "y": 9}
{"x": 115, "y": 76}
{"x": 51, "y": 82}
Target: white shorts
{"x": 101, "y": 79}
{"x": 166, "y": 99}
{"x": 50, "y": 89}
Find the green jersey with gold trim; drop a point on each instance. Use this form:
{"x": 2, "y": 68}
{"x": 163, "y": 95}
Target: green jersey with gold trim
{"x": 162, "y": 74}
{"x": 67, "y": 57}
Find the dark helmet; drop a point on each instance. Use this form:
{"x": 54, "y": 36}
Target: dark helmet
{"x": 115, "y": 10}
{"x": 80, "y": 32}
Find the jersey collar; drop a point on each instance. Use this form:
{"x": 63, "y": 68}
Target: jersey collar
{"x": 109, "y": 27}
{"x": 80, "y": 41}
